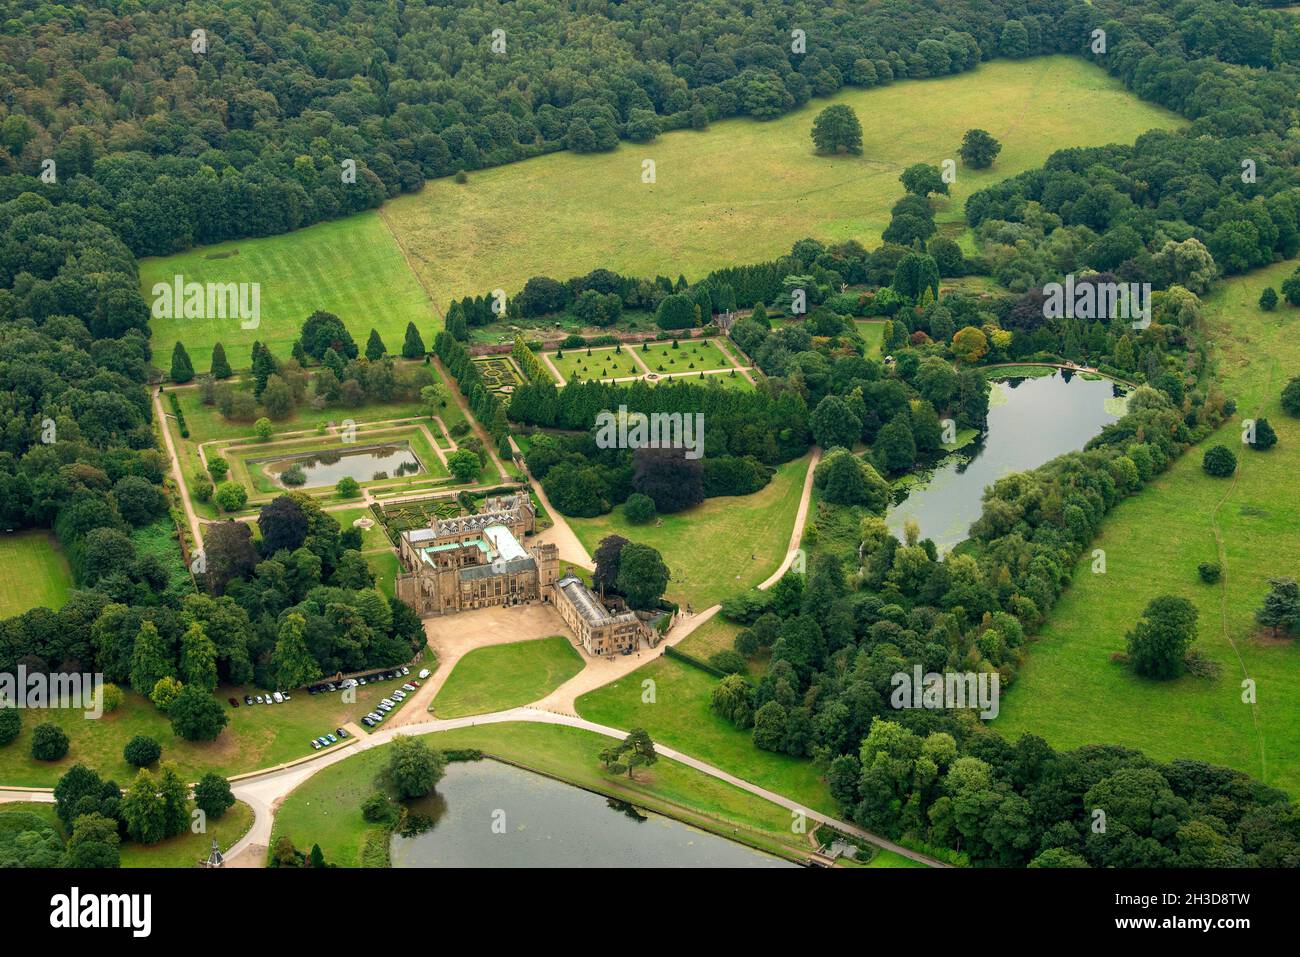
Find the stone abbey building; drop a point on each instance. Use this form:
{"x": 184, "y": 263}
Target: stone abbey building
{"x": 477, "y": 561}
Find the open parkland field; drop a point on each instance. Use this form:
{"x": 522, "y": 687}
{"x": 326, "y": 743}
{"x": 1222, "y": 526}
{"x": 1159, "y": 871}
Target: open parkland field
{"x": 739, "y": 178}
{"x": 1072, "y": 694}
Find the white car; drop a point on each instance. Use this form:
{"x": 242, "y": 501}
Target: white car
{"x": 408, "y": 687}
{"x": 424, "y": 673}
{"x": 405, "y": 670}
{"x": 347, "y": 682}
{"x": 279, "y": 698}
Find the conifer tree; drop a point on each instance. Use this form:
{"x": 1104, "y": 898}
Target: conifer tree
{"x": 182, "y": 369}
{"x": 220, "y": 365}
{"x": 413, "y": 347}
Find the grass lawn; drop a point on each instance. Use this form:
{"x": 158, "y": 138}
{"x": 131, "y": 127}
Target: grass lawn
{"x": 873, "y": 334}
{"x": 258, "y": 736}
{"x": 601, "y": 364}
{"x": 325, "y": 809}
{"x": 681, "y": 718}
{"x": 371, "y": 538}
{"x": 720, "y": 547}
{"x": 33, "y": 572}
{"x": 385, "y": 566}
{"x": 716, "y": 634}
{"x": 882, "y": 858}
{"x": 186, "y": 850}
{"x": 756, "y": 180}
{"x": 351, "y": 267}
{"x": 207, "y": 423}
{"x": 690, "y": 356}
{"x": 506, "y": 676}
{"x": 1071, "y": 694}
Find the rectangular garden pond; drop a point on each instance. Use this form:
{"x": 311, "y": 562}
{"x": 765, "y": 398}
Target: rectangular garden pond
{"x": 365, "y": 464}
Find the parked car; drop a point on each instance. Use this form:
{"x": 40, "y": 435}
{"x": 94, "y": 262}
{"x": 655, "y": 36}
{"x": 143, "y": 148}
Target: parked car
{"x": 331, "y": 687}
{"x": 331, "y": 739}
{"x": 424, "y": 673}
{"x": 258, "y": 699}
{"x": 234, "y": 702}
{"x": 405, "y": 670}
{"x": 279, "y": 698}
{"x": 248, "y": 699}
{"x": 341, "y": 732}
{"x": 408, "y": 686}
{"x": 368, "y": 722}
{"x": 315, "y": 745}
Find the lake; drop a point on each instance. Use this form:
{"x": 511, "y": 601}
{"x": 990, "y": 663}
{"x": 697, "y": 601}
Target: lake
{"x": 490, "y": 814}
{"x": 1031, "y": 421}
{"x": 362, "y": 464}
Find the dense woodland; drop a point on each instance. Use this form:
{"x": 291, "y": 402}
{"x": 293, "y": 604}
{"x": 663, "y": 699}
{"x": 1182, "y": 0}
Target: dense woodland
{"x": 157, "y": 148}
